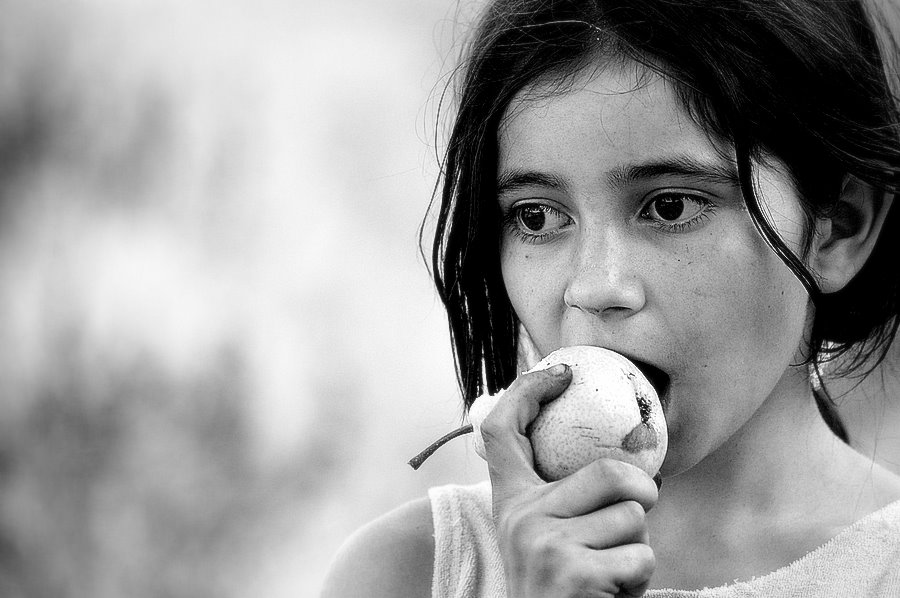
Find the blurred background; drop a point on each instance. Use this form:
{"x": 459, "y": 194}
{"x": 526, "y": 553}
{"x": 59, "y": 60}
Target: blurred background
{"x": 219, "y": 342}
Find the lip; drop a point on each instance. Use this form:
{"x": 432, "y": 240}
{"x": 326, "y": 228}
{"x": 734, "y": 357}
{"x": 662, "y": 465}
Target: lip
{"x": 658, "y": 378}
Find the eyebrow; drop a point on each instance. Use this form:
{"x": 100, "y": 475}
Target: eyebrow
{"x": 515, "y": 180}
{"x": 679, "y": 166}
{"x": 621, "y": 176}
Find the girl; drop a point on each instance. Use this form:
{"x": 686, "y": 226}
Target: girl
{"x": 706, "y": 188}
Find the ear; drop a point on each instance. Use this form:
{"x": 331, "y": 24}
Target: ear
{"x": 845, "y": 240}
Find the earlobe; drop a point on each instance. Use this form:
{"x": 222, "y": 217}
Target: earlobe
{"x": 846, "y": 238}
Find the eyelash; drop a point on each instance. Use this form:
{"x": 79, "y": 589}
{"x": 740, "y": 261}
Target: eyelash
{"x": 510, "y": 222}
{"x": 708, "y": 208}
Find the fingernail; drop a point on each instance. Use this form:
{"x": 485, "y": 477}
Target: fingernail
{"x": 558, "y": 370}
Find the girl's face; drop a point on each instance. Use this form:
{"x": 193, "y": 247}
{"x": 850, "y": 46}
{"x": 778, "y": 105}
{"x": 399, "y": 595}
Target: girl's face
{"x": 624, "y": 227}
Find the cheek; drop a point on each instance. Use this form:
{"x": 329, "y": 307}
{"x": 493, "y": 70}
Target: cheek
{"x": 771, "y": 304}
{"x": 741, "y": 320}
{"x": 744, "y": 313}
{"x": 535, "y": 290}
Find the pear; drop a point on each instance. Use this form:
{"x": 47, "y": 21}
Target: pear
{"x": 609, "y": 410}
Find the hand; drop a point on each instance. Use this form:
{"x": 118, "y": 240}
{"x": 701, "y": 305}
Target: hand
{"x": 584, "y": 535}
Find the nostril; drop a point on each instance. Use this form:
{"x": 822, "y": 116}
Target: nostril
{"x": 616, "y": 309}
{"x": 604, "y": 292}
{"x": 608, "y": 310}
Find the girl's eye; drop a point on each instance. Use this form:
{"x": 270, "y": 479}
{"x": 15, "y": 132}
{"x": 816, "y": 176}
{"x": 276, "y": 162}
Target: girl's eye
{"x": 535, "y": 222}
{"x": 676, "y": 211}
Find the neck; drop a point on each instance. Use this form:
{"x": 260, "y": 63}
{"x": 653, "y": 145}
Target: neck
{"x": 781, "y": 486}
{"x": 780, "y": 447}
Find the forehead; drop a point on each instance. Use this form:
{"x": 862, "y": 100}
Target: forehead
{"x": 618, "y": 112}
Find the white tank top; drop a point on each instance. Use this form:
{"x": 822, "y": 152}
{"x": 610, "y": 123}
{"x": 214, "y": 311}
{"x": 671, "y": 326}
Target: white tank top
{"x": 862, "y": 560}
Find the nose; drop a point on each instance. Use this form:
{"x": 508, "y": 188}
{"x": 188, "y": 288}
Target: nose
{"x": 606, "y": 280}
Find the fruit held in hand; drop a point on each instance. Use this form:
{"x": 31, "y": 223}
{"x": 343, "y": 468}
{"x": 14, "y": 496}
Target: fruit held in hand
{"x": 609, "y": 410}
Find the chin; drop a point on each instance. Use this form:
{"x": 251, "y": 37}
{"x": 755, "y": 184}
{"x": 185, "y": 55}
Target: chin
{"x": 685, "y": 451}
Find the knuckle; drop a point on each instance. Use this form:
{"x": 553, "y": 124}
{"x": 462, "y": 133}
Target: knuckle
{"x": 614, "y": 472}
{"x": 492, "y": 430}
{"x": 523, "y": 380}
{"x": 539, "y": 543}
{"x": 579, "y": 579}
{"x": 516, "y": 527}
{"x": 628, "y": 481}
{"x": 633, "y": 513}
{"x": 557, "y": 562}
{"x": 547, "y": 548}
{"x": 640, "y": 560}
{"x": 507, "y": 523}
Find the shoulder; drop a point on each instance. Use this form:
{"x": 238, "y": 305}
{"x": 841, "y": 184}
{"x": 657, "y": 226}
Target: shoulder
{"x": 391, "y": 556}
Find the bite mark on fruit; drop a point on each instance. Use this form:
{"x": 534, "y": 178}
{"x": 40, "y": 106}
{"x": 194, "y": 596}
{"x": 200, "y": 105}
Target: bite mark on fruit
{"x": 644, "y": 407}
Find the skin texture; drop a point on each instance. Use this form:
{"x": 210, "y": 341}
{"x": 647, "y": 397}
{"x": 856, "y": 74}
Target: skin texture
{"x": 707, "y": 304}
{"x": 611, "y": 241}
{"x": 613, "y": 238}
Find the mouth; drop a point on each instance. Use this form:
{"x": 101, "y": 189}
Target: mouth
{"x": 659, "y": 380}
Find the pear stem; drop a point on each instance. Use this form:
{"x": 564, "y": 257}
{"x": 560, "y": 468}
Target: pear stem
{"x": 417, "y": 461}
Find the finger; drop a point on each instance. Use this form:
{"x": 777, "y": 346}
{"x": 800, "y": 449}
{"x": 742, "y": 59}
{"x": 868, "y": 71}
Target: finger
{"x": 507, "y": 448}
{"x": 599, "y": 484}
{"x": 621, "y": 523}
{"x": 619, "y": 571}
{"x": 630, "y": 567}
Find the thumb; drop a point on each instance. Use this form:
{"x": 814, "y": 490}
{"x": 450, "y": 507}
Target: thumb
{"x": 504, "y": 430}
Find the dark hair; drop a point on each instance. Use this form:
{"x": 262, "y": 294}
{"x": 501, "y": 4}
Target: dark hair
{"x": 803, "y": 80}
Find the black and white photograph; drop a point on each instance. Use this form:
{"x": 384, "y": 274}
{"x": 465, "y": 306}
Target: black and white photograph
{"x": 449, "y": 298}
